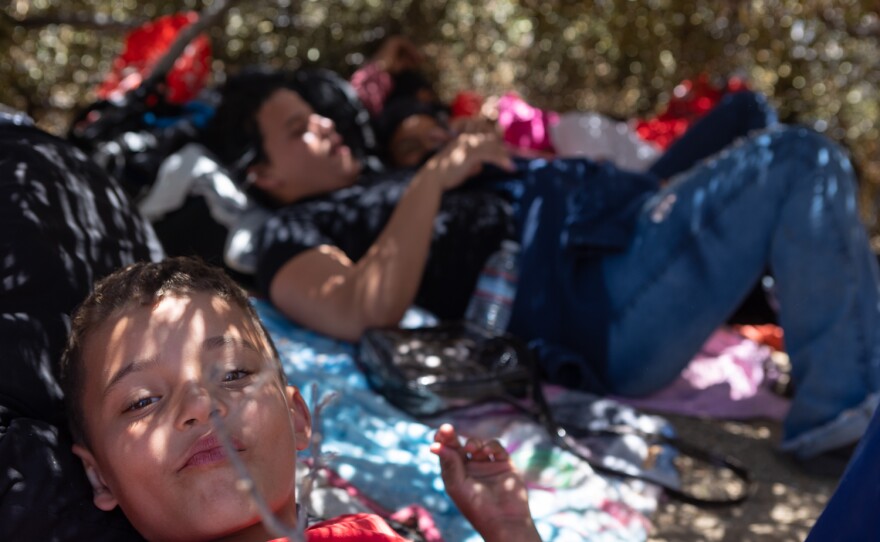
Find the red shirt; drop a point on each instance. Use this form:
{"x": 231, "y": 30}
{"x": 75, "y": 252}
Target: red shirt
{"x": 351, "y": 528}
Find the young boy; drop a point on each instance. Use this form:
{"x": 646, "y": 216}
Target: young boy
{"x": 157, "y": 353}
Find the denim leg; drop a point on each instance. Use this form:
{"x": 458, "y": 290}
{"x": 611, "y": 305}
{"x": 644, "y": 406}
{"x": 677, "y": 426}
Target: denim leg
{"x": 733, "y": 117}
{"x": 850, "y": 514}
{"x": 568, "y": 212}
{"x": 785, "y": 197}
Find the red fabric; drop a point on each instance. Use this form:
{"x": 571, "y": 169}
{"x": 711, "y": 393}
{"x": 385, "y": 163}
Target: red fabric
{"x": 144, "y": 47}
{"x": 466, "y": 103}
{"x": 351, "y": 528}
{"x": 691, "y": 100}
{"x": 413, "y": 515}
{"x": 768, "y": 334}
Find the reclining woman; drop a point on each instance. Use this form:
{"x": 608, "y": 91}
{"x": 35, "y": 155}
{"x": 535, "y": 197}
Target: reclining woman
{"x": 621, "y": 278}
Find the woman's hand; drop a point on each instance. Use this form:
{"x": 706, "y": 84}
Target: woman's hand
{"x": 473, "y": 125}
{"x": 482, "y": 482}
{"x": 464, "y": 156}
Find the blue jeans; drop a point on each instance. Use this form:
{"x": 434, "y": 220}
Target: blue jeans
{"x": 733, "y": 117}
{"x": 783, "y": 199}
{"x": 851, "y": 514}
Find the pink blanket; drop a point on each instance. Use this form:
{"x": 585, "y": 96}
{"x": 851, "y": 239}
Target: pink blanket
{"x": 726, "y": 380}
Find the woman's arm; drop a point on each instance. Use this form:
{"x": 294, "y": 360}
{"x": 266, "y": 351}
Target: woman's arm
{"x": 324, "y": 290}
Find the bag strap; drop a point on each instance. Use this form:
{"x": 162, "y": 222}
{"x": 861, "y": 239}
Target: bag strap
{"x": 561, "y": 438}
{"x": 543, "y": 415}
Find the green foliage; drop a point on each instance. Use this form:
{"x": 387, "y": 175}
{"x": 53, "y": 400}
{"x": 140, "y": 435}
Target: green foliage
{"x": 815, "y": 59}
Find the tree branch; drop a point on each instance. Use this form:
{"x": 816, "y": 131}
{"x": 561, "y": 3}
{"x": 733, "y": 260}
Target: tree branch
{"x": 97, "y": 21}
{"x": 207, "y": 17}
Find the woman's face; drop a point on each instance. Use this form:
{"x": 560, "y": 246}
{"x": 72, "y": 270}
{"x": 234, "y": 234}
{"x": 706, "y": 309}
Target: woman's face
{"x": 305, "y": 155}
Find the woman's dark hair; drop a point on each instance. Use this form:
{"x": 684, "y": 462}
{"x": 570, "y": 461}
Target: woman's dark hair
{"x": 234, "y": 134}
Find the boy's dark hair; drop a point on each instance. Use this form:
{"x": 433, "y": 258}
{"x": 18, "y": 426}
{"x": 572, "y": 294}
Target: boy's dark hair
{"x": 141, "y": 285}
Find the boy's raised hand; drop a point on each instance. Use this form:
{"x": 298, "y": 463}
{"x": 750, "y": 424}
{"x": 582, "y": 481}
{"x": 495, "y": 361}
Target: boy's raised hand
{"x": 482, "y": 482}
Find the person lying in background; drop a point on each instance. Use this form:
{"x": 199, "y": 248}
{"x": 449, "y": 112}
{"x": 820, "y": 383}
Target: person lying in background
{"x": 626, "y": 276}
{"x": 412, "y": 122}
{"x": 410, "y": 131}
{"x": 392, "y": 77}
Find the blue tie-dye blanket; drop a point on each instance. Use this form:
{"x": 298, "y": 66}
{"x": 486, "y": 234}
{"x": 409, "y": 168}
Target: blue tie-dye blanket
{"x": 385, "y": 453}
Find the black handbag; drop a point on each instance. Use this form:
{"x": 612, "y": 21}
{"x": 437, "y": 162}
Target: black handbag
{"x": 430, "y": 371}
{"x": 427, "y": 371}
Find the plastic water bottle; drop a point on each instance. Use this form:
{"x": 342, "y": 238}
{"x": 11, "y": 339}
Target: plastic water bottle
{"x": 492, "y": 302}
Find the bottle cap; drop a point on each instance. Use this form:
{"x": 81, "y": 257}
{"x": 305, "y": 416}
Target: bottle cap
{"x": 509, "y": 245}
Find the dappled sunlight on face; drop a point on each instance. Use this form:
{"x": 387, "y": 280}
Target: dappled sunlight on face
{"x": 305, "y": 154}
{"x": 154, "y": 377}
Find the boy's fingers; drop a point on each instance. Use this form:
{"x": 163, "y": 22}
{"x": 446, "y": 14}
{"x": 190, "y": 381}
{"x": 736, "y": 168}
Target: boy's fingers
{"x": 452, "y": 468}
{"x": 446, "y": 435}
{"x": 444, "y": 432}
{"x": 477, "y": 451}
{"x": 473, "y": 448}
{"x": 496, "y": 451}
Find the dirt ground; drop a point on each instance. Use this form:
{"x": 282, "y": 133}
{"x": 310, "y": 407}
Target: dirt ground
{"x": 783, "y": 506}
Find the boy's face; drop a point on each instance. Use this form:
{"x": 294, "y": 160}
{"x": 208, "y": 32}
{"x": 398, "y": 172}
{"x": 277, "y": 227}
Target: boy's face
{"x": 153, "y": 376}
